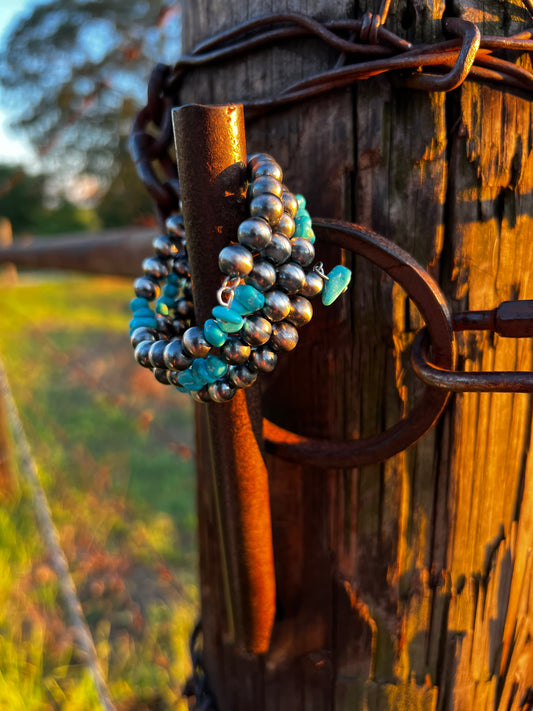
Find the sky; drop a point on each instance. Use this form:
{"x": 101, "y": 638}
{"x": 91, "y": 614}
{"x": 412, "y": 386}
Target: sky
{"x": 12, "y": 149}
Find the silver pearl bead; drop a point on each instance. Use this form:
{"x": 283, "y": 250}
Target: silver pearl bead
{"x": 235, "y": 259}
{"x": 286, "y": 225}
{"x": 221, "y": 391}
{"x": 241, "y": 376}
{"x": 277, "y": 305}
{"x": 141, "y": 353}
{"x": 155, "y": 354}
{"x": 290, "y": 277}
{"x": 164, "y": 246}
{"x": 154, "y": 267}
{"x": 264, "y": 359}
{"x": 256, "y": 330}
{"x": 194, "y": 343}
{"x": 301, "y": 311}
{"x": 160, "y": 375}
{"x": 175, "y": 227}
{"x": 267, "y": 206}
{"x": 284, "y": 336}
{"x": 266, "y": 184}
{"x": 290, "y": 203}
{"x": 279, "y": 249}
{"x": 312, "y": 286}
{"x": 302, "y": 252}
{"x": 201, "y": 395}
{"x": 254, "y": 233}
{"x": 235, "y": 351}
{"x": 265, "y": 165}
{"x": 262, "y": 276}
{"x": 143, "y": 333}
{"x": 175, "y": 357}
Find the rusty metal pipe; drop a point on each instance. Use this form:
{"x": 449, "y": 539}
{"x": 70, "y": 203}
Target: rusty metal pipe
{"x": 211, "y": 152}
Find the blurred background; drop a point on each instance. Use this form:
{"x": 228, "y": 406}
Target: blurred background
{"x": 113, "y": 446}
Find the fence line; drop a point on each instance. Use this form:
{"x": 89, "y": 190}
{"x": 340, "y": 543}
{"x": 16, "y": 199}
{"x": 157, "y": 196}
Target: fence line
{"x": 48, "y": 531}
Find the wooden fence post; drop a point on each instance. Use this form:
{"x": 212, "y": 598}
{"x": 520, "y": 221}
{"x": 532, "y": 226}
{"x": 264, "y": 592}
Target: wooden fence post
{"x": 8, "y": 272}
{"x": 8, "y": 277}
{"x": 405, "y": 584}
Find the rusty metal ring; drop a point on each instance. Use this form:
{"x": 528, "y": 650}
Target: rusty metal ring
{"x": 502, "y": 381}
{"x": 429, "y": 299}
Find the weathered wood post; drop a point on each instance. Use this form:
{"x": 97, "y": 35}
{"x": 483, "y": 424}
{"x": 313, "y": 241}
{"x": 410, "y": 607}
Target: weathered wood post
{"x": 405, "y": 584}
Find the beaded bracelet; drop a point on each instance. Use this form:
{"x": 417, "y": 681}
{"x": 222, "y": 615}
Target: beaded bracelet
{"x": 263, "y": 299}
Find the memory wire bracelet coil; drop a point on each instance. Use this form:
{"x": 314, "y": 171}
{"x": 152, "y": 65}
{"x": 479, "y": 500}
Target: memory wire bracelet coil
{"x": 263, "y": 299}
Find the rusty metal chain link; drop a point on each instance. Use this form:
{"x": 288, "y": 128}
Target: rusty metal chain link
{"x": 365, "y": 48}
{"x": 197, "y": 690}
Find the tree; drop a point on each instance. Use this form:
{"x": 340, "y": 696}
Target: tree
{"x": 25, "y": 203}
{"x": 74, "y": 72}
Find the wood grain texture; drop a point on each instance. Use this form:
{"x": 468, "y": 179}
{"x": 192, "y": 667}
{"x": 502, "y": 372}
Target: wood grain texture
{"x": 405, "y": 585}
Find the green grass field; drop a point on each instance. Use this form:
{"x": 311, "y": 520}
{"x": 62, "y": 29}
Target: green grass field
{"x": 113, "y": 448}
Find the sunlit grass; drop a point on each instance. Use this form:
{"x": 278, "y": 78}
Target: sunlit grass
{"x": 113, "y": 448}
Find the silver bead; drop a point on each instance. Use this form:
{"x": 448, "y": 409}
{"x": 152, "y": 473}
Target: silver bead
{"x": 301, "y": 311}
{"x": 279, "y": 249}
{"x": 302, "y": 252}
{"x": 194, "y": 343}
{"x": 155, "y": 354}
{"x": 201, "y": 395}
{"x": 221, "y": 391}
{"x": 141, "y": 353}
{"x": 264, "y": 359}
{"x": 263, "y": 164}
{"x": 160, "y": 375}
{"x": 254, "y": 233}
{"x": 284, "y": 336}
{"x": 262, "y": 276}
{"x": 164, "y": 246}
{"x": 175, "y": 357}
{"x": 256, "y": 330}
{"x": 235, "y": 259}
{"x": 241, "y": 376}
{"x": 286, "y": 225}
{"x": 290, "y": 203}
{"x": 312, "y": 286}
{"x": 154, "y": 267}
{"x": 277, "y": 305}
{"x": 235, "y": 351}
{"x": 290, "y": 277}
{"x": 268, "y": 206}
{"x": 175, "y": 227}
{"x": 266, "y": 184}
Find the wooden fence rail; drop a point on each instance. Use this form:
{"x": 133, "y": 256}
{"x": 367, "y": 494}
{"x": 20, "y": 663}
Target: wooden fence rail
{"x": 118, "y": 252}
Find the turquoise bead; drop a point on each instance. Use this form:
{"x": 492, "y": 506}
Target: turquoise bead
{"x": 304, "y": 228}
{"x": 199, "y": 371}
{"x": 164, "y": 301}
{"x": 215, "y": 367}
{"x": 228, "y": 320}
{"x": 213, "y": 334}
{"x": 189, "y": 380}
{"x": 138, "y": 321}
{"x": 173, "y": 279}
{"x": 139, "y": 304}
{"x": 143, "y": 313}
{"x": 247, "y": 298}
{"x": 301, "y": 200}
{"x": 170, "y": 291}
{"x": 336, "y": 284}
